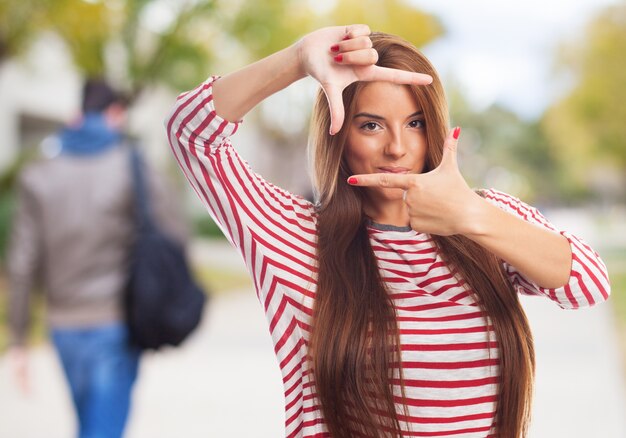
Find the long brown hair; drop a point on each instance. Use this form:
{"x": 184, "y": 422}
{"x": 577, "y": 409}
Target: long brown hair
{"x": 355, "y": 343}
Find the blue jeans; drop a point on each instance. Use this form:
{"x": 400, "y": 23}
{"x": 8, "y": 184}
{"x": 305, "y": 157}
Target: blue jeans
{"x": 101, "y": 368}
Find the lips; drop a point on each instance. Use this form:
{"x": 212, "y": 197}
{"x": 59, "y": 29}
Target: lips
{"x": 391, "y": 169}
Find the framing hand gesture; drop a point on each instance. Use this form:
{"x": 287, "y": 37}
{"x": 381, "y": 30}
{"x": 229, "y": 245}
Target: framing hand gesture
{"x": 438, "y": 201}
{"x": 338, "y": 56}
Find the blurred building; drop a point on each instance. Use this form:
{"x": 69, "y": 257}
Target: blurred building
{"x": 40, "y": 91}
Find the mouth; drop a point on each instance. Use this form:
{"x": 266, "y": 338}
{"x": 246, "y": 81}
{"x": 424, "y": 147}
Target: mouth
{"x": 391, "y": 169}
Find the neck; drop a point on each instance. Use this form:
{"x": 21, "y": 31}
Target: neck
{"x": 388, "y": 212}
{"x": 91, "y": 136}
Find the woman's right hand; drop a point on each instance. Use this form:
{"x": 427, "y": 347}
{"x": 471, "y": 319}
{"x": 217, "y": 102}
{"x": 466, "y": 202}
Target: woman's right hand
{"x": 338, "y": 56}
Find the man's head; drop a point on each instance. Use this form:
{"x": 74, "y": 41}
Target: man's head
{"x": 98, "y": 95}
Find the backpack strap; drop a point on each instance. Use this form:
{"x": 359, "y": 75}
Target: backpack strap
{"x": 143, "y": 213}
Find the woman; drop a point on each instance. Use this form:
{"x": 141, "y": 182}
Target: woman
{"x": 391, "y": 302}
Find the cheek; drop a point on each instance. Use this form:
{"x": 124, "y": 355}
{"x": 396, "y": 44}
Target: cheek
{"x": 419, "y": 152}
{"x": 358, "y": 156}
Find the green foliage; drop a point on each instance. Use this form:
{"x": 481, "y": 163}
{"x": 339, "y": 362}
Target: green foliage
{"x": 6, "y": 213}
{"x": 173, "y": 55}
{"x": 85, "y": 27}
{"x": 20, "y": 20}
{"x": 497, "y": 138}
{"x": 265, "y": 27}
{"x": 218, "y": 280}
{"x": 181, "y": 64}
{"x": 118, "y": 36}
{"x": 587, "y": 127}
{"x": 615, "y": 260}
{"x": 204, "y": 226}
{"x": 8, "y": 180}
{"x": 178, "y": 56}
{"x": 391, "y": 16}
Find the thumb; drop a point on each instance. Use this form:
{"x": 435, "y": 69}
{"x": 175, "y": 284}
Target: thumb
{"x": 450, "y": 148}
{"x": 335, "y": 104}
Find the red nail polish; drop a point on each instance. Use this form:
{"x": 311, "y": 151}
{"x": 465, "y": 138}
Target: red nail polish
{"x": 352, "y": 180}
{"x": 339, "y": 57}
{"x": 456, "y": 132}
{"x": 334, "y": 48}
{"x": 347, "y": 37}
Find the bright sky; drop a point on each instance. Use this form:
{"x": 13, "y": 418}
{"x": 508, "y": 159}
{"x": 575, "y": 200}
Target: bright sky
{"x": 502, "y": 51}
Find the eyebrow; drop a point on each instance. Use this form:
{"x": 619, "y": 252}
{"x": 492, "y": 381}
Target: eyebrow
{"x": 378, "y": 117}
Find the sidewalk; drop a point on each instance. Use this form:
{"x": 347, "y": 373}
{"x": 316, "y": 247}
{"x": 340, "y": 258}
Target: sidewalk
{"x": 579, "y": 389}
{"x": 224, "y": 382}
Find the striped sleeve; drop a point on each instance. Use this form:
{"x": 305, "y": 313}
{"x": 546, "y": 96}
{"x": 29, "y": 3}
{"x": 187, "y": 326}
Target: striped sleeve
{"x": 274, "y": 231}
{"x": 257, "y": 217}
{"x": 588, "y": 282}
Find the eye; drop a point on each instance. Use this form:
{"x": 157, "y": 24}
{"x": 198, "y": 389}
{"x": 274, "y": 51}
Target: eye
{"x": 417, "y": 123}
{"x": 370, "y": 126}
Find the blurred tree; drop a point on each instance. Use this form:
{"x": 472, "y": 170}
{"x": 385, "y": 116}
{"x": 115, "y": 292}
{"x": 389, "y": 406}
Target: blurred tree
{"x": 20, "y": 22}
{"x": 85, "y": 29}
{"x": 138, "y": 41}
{"x": 391, "y": 16}
{"x": 588, "y": 128}
{"x": 143, "y": 41}
{"x": 265, "y": 27}
{"x": 168, "y": 41}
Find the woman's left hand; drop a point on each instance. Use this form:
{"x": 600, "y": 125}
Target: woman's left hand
{"x": 439, "y": 202}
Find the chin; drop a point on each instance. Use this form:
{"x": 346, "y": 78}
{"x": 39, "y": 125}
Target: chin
{"x": 389, "y": 194}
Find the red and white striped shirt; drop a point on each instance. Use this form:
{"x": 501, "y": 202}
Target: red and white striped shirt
{"x": 450, "y": 368}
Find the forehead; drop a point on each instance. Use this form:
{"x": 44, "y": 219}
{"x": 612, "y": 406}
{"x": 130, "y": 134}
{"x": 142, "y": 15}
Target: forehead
{"x": 385, "y": 97}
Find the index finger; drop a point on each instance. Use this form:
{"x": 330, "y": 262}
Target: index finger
{"x": 387, "y": 180}
{"x": 396, "y": 76}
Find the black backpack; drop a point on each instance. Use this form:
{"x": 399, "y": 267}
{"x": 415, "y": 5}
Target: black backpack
{"x": 163, "y": 304}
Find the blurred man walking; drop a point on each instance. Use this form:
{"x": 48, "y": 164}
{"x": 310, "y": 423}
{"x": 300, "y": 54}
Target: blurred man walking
{"x": 73, "y": 230}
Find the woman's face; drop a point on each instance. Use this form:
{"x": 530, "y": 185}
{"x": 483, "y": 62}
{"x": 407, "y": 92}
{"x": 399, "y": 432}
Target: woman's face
{"x": 386, "y": 134}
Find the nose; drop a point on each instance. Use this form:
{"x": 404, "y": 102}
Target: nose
{"x": 395, "y": 146}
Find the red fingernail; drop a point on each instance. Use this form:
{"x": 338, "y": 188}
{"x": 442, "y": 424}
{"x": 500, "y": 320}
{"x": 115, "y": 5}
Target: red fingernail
{"x": 339, "y": 57}
{"x": 334, "y": 48}
{"x": 456, "y": 132}
{"x": 352, "y": 180}
{"x": 347, "y": 37}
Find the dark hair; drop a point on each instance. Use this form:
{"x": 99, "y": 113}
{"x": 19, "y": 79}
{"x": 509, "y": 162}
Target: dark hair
{"x": 355, "y": 342}
{"x": 98, "y": 95}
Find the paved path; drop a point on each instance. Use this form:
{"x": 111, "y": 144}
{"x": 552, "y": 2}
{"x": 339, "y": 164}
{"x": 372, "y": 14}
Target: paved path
{"x": 224, "y": 382}
{"x": 579, "y": 391}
